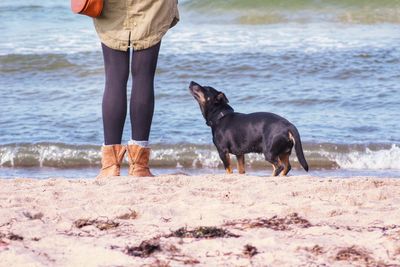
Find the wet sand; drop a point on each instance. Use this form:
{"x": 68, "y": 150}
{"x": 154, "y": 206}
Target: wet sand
{"x": 206, "y": 220}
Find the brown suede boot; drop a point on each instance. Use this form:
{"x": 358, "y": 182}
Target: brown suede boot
{"x": 111, "y": 158}
{"x": 139, "y": 161}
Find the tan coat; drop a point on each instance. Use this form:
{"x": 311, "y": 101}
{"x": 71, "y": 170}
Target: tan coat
{"x": 139, "y": 24}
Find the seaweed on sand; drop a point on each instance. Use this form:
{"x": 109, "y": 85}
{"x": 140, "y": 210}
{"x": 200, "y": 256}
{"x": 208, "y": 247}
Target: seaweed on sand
{"x": 275, "y": 223}
{"x": 30, "y": 216}
{"x": 316, "y": 250}
{"x": 355, "y": 254}
{"x": 202, "y": 232}
{"x": 99, "y": 224}
{"x": 145, "y": 249}
{"x": 250, "y": 250}
{"x": 131, "y": 215}
{"x": 11, "y": 236}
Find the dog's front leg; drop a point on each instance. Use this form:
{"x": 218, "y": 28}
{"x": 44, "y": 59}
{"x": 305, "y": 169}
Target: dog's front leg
{"x": 226, "y": 160}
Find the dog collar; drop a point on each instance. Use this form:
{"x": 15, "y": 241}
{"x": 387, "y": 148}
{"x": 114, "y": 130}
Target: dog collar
{"x": 219, "y": 116}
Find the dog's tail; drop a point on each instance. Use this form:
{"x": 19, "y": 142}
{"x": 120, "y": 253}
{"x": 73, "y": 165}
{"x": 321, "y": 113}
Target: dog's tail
{"x": 295, "y": 137}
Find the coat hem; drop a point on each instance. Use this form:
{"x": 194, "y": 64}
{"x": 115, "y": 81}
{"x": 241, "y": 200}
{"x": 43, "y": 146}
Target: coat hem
{"x": 149, "y": 41}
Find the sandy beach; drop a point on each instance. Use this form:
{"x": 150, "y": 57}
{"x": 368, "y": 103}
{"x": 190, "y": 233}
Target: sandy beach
{"x": 209, "y": 220}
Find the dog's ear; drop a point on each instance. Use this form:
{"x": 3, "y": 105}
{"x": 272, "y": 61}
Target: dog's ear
{"x": 221, "y": 98}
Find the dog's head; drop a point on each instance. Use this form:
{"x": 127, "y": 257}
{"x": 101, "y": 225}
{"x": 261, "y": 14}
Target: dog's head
{"x": 209, "y": 99}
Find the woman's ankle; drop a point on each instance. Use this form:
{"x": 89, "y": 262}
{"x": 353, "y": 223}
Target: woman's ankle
{"x": 144, "y": 143}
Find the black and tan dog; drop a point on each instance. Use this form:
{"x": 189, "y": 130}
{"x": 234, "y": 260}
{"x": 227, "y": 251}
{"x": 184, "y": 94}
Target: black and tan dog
{"x": 238, "y": 133}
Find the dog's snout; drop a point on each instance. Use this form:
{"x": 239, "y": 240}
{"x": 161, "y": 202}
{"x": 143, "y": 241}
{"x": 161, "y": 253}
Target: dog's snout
{"x": 192, "y": 83}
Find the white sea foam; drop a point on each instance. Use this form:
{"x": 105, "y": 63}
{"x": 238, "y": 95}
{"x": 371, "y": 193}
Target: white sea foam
{"x": 385, "y": 159}
{"x": 7, "y": 156}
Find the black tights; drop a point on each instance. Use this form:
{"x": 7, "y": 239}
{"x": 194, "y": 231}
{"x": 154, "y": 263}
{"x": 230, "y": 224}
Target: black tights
{"x": 114, "y": 107}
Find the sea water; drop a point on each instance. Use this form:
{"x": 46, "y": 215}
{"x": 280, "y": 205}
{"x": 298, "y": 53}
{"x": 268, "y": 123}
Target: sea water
{"x": 332, "y": 68}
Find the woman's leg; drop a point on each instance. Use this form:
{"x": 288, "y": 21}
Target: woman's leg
{"x": 144, "y": 63}
{"x": 114, "y": 107}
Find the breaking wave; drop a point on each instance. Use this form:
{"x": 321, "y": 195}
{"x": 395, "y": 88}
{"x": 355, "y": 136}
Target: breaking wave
{"x": 319, "y": 156}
